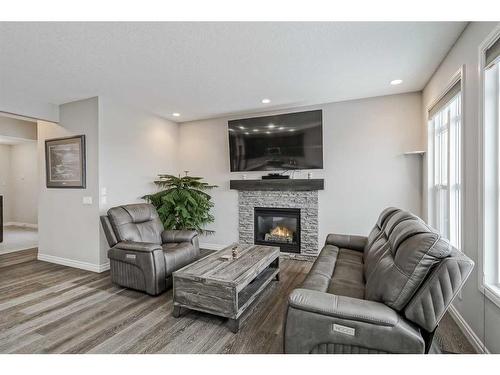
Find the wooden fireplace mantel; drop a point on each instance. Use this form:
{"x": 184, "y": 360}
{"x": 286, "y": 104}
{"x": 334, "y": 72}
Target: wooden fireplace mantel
{"x": 278, "y": 185}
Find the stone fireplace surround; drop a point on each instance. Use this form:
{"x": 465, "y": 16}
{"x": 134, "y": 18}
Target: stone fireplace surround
{"x": 306, "y": 201}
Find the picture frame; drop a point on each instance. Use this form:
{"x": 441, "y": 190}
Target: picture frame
{"x": 65, "y": 163}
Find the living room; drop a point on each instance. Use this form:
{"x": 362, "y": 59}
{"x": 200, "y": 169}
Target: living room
{"x": 255, "y": 187}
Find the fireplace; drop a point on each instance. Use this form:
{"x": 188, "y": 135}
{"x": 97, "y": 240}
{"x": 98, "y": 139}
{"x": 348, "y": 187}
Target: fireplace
{"x": 277, "y": 227}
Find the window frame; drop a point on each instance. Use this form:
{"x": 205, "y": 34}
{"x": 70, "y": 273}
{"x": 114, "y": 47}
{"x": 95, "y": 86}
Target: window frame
{"x": 491, "y": 291}
{"x": 459, "y": 75}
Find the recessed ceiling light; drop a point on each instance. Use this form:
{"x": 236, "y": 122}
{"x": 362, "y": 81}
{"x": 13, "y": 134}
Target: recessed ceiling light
{"x": 396, "y": 82}
{"x": 255, "y": 130}
{"x": 291, "y": 130}
{"x": 271, "y": 126}
{"x": 247, "y": 133}
{"x": 176, "y": 114}
{"x": 281, "y": 128}
{"x": 268, "y": 132}
{"x": 266, "y": 101}
{"x": 242, "y": 127}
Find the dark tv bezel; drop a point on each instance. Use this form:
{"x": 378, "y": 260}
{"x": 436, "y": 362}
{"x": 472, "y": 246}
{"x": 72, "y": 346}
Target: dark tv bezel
{"x": 279, "y": 169}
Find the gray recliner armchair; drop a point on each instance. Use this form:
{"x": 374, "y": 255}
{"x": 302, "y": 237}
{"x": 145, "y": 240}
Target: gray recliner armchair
{"x": 143, "y": 255}
{"x": 384, "y": 293}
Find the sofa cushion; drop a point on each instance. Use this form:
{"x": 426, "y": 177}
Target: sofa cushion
{"x": 136, "y": 222}
{"x": 337, "y": 271}
{"x": 378, "y": 229}
{"x": 377, "y": 248}
{"x": 408, "y": 251}
{"x": 321, "y": 272}
{"x": 347, "y": 279}
{"x": 178, "y": 255}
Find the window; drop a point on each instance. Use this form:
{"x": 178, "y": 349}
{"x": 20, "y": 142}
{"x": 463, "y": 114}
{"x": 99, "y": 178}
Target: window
{"x": 445, "y": 160}
{"x": 491, "y": 168}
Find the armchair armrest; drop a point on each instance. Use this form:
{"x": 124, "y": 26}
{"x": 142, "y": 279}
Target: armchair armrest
{"x": 144, "y": 247}
{"x": 138, "y": 265}
{"x": 178, "y": 235}
{"x": 346, "y": 241}
{"x": 341, "y": 307}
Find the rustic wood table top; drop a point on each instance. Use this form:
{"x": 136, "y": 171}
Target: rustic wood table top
{"x": 221, "y": 267}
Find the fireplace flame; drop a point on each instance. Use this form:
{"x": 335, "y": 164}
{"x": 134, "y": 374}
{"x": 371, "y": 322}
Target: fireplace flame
{"x": 282, "y": 231}
{"x": 279, "y": 234}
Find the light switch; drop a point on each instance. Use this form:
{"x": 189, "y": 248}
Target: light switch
{"x": 104, "y": 191}
{"x": 87, "y": 200}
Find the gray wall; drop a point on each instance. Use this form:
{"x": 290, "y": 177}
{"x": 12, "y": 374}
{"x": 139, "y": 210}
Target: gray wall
{"x": 69, "y": 230}
{"x": 134, "y": 146}
{"x": 24, "y": 183}
{"x": 5, "y": 155}
{"x": 126, "y": 149}
{"x": 474, "y": 307}
{"x": 18, "y": 170}
{"x": 364, "y": 165}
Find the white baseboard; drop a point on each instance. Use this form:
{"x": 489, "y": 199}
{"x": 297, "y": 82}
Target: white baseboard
{"x": 19, "y": 224}
{"x": 74, "y": 263}
{"x": 212, "y": 246}
{"x": 474, "y": 340}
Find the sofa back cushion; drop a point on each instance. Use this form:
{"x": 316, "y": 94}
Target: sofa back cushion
{"x": 399, "y": 260}
{"x": 136, "y": 222}
{"x": 379, "y": 227}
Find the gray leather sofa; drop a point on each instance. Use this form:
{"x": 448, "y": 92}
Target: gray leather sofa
{"x": 384, "y": 293}
{"x": 143, "y": 255}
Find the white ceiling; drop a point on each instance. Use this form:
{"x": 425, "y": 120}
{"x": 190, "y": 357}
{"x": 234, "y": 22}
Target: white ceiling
{"x": 204, "y": 70}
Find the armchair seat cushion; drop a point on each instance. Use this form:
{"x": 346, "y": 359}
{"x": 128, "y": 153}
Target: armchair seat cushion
{"x": 178, "y": 255}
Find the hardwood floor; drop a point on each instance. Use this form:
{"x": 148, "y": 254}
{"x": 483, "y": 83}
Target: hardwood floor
{"x": 48, "y": 308}
{"x": 17, "y": 257}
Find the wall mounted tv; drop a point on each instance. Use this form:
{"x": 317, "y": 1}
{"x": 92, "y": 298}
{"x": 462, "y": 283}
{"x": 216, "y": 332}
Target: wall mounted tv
{"x": 282, "y": 142}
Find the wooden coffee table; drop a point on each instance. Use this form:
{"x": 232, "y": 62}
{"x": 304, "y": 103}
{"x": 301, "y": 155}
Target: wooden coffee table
{"x": 225, "y": 286}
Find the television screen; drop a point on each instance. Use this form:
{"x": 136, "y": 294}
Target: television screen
{"x": 281, "y": 142}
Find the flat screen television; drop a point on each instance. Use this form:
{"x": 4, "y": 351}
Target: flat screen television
{"x": 282, "y": 142}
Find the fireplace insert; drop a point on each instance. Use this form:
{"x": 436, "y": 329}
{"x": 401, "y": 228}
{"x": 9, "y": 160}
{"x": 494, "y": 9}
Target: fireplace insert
{"x": 277, "y": 227}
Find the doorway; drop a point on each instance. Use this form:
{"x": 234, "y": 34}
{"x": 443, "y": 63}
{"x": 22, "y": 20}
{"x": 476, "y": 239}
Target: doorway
{"x": 18, "y": 184}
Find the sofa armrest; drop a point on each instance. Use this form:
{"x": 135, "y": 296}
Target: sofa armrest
{"x": 319, "y": 322}
{"x": 176, "y": 236}
{"x": 346, "y": 241}
{"x": 143, "y": 247}
{"x": 343, "y": 307}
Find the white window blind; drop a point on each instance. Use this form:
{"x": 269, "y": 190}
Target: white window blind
{"x": 445, "y": 159}
{"x": 492, "y": 53}
{"x": 491, "y": 189}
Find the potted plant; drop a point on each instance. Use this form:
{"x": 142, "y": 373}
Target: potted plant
{"x": 183, "y": 202}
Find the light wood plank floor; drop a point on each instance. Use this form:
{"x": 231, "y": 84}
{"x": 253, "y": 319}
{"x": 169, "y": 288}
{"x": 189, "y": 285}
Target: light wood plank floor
{"x": 47, "y": 308}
